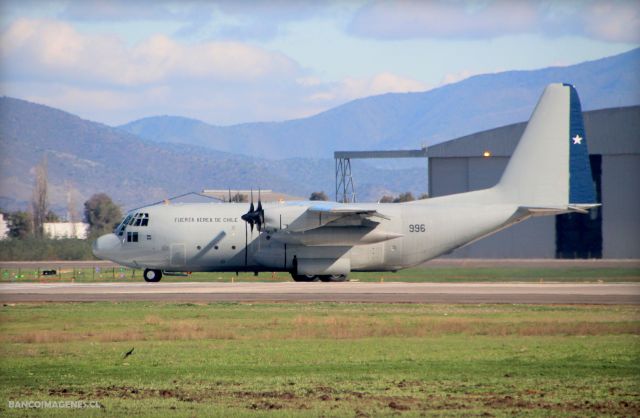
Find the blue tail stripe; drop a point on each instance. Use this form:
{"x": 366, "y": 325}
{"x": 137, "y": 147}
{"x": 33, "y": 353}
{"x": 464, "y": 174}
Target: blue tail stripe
{"x": 581, "y": 187}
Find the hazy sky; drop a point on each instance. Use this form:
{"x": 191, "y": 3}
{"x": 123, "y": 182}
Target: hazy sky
{"x": 228, "y": 62}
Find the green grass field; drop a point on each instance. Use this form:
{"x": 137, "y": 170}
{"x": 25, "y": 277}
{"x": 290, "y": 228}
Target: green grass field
{"x": 322, "y": 359}
{"x": 433, "y": 274}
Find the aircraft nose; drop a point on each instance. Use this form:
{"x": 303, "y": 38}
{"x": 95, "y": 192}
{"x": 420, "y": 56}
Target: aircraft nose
{"x": 104, "y": 244}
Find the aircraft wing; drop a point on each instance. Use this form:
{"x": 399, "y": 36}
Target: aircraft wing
{"x": 346, "y": 210}
{"x": 338, "y": 215}
{"x": 335, "y": 224}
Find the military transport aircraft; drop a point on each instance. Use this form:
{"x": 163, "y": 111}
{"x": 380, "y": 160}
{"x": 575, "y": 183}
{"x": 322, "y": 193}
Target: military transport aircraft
{"x": 548, "y": 174}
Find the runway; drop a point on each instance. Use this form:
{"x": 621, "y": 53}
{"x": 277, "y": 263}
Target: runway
{"x": 512, "y": 293}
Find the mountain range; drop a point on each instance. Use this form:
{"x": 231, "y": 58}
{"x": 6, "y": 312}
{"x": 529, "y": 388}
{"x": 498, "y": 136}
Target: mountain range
{"x": 408, "y": 120}
{"x": 153, "y": 158}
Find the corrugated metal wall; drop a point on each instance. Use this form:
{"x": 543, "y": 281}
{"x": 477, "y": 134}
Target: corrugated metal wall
{"x": 457, "y": 166}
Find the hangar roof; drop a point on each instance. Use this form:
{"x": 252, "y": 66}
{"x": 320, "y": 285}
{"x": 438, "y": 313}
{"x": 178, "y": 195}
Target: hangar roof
{"x": 608, "y": 131}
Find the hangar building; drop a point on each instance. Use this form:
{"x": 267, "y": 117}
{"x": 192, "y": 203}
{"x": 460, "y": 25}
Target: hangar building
{"x": 613, "y": 231}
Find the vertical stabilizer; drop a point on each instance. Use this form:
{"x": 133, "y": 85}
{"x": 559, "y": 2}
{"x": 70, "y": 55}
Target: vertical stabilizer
{"x": 581, "y": 186}
{"x": 550, "y": 166}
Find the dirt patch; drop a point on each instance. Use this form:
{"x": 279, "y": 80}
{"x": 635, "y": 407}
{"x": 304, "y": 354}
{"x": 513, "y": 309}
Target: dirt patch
{"x": 408, "y": 383}
{"x": 398, "y": 406}
{"x": 260, "y": 395}
{"x": 364, "y": 404}
{"x": 265, "y": 405}
{"x": 621, "y": 408}
{"x": 126, "y": 392}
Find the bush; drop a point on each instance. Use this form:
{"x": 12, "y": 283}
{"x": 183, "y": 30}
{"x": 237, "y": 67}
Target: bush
{"x": 37, "y": 249}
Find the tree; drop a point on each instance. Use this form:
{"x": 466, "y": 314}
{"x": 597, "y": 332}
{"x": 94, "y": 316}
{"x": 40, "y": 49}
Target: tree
{"x": 423, "y": 196}
{"x": 51, "y": 216}
{"x": 72, "y": 212}
{"x": 102, "y": 214}
{"x": 386, "y": 199}
{"x": 404, "y": 197}
{"x": 40, "y": 199}
{"x": 20, "y": 224}
{"x": 318, "y": 196}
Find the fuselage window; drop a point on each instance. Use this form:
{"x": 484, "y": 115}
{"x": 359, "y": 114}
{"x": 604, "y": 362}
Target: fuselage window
{"x": 132, "y": 236}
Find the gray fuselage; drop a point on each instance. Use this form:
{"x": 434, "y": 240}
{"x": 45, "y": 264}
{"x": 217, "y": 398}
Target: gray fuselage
{"x": 213, "y": 237}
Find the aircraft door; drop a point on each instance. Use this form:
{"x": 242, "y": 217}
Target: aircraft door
{"x": 178, "y": 255}
{"x": 375, "y": 254}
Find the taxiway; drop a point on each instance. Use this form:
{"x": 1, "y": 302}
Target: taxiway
{"x": 389, "y": 292}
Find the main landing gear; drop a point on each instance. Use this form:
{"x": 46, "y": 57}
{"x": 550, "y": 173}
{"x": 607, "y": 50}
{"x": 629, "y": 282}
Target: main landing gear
{"x": 152, "y": 276}
{"x": 323, "y": 278}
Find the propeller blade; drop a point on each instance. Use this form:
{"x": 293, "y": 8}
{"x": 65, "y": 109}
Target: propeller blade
{"x": 260, "y": 211}
{"x": 255, "y": 216}
{"x": 246, "y": 244}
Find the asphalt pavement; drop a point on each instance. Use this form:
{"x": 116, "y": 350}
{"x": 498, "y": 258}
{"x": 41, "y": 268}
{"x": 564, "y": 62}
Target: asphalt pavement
{"x": 387, "y": 292}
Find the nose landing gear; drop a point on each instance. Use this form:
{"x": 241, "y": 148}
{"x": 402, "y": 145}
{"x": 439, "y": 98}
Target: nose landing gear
{"x": 152, "y": 276}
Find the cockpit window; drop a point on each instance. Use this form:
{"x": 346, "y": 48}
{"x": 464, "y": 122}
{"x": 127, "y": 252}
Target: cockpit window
{"x": 132, "y": 219}
{"x": 120, "y": 228}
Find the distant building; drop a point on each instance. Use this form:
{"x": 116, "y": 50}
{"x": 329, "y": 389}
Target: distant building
{"x": 265, "y": 195}
{"x": 57, "y": 230}
{"x": 4, "y": 227}
{"x": 613, "y": 231}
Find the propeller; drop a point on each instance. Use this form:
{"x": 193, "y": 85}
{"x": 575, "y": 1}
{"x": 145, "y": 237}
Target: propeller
{"x": 255, "y": 216}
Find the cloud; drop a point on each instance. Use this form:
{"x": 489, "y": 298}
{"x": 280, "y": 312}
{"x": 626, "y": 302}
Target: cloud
{"x": 102, "y": 78}
{"x": 55, "y": 51}
{"x": 257, "y": 19}
{"x": 451, "y": 78}
{"x": 353, "y": 88}
{"x": 612, "y": 21}
{"x": 222, "y": 19}
{"x": 118, "y": 10}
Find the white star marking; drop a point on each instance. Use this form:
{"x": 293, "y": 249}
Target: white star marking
{"x": 577, "y": 140}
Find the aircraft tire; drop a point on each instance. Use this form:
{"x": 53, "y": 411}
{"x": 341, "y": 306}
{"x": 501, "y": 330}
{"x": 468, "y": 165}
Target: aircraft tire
{"x": 152, "y": 276}
{"x": 304, "y": 277}
{"x": 334, "y": 278}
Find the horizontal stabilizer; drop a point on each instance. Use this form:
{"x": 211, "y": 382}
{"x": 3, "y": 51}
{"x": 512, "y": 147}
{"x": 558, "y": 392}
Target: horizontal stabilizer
{"x": 558, "y": 210}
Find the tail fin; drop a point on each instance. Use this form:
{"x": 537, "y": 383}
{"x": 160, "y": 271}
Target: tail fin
{"x": 550, "y": 167}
